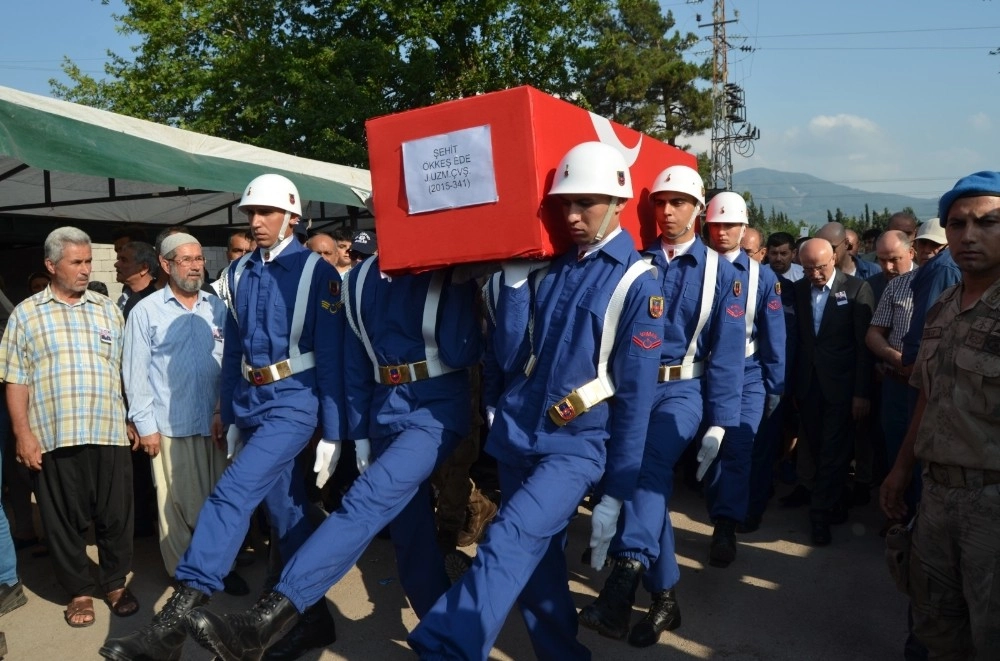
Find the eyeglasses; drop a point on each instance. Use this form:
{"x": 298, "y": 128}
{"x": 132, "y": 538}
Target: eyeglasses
{"x": 816, "y": 269}
{"x": 188, "y": 261}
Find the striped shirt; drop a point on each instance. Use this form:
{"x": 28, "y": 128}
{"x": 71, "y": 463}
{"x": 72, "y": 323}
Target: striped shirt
{"x": 895, "y": 309}
{"x": 171, "y": 365}
{"x": 69, "y": 357}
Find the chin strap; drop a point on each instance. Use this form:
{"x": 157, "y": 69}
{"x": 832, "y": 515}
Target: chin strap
{"x": 687, "y": 228}
{"x": 603, "y": 229}
{"x": 284, "y": 227}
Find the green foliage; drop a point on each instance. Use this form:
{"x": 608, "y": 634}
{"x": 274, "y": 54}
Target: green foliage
{"x": 636, "y": 74}
{"x": 773, "y": 222}
{"x": 302, "y": 78}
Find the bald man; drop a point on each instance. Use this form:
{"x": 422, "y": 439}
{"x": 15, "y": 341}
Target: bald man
{"x": 894, "y": 252}
{"x": 833, "y": 378}
{"x": 753, "y": 244}
{"x": 836, "y": 235}
{"x": 323, "y": 245}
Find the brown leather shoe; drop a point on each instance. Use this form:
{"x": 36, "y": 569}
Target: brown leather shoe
{"x": 478, "y": 514}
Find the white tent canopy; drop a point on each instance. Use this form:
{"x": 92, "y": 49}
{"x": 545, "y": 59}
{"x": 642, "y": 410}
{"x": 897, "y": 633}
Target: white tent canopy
{"x": 61, "y": 160}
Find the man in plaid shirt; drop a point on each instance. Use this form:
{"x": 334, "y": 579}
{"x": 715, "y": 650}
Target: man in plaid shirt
{"x": 61, "y": 360}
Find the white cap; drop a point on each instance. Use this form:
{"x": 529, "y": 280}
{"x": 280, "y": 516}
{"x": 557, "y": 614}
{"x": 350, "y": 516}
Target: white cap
{"x": 931, "y": 230}
{"x": 175, "y": 241}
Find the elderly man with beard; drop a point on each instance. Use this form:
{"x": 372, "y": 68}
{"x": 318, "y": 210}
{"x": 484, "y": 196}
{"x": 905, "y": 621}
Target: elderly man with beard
{"x": 172, "y": 361}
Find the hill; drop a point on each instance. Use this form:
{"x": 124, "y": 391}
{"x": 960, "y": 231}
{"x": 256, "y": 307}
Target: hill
{"x": 804, "y": 197}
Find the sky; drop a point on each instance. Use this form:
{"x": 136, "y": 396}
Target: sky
{"x": 895, "y": 96}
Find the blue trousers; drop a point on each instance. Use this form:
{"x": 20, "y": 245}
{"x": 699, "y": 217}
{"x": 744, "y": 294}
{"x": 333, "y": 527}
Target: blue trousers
{"x": 394, "y": 491}
{"x": 727, "y": 490}
{"x": 523, "y": 560}
{"x": 765, "y": 452}
{"x": 644, "y": 531}
{"x": 8, "y": 556}
{"x": 264, "y": 470}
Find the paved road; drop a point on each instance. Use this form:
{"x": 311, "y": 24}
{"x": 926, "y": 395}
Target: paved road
{"x": 780, "y": 600}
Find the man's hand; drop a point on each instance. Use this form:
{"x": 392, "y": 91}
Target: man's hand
{"x": 771, "y": 404}
{"x": 327, "y": 456}
{"x": 150, "y": 444}
{"x": 363, "y": 452}
{"x": 29, "y": 450}
{"x": 218, "y": 431}
{"x": 133, "y": 435}
{"x": 603, "y": 525}
{"x": 860, "y": 407}
{"x": 710, "y": 444}
{"x": 892, "y": 491}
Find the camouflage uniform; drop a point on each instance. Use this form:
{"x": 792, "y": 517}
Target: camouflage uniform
{"x": 955, "y": 566}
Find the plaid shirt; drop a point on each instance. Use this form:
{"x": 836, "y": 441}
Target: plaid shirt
{"x": 895, "y": 309}
{"x": 70, "y": 358}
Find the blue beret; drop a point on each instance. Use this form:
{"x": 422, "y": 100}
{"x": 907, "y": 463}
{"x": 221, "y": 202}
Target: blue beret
{"x": 980, "y": 183}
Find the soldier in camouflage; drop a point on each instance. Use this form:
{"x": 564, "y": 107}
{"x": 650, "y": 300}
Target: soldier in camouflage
{"x": 955, "y": 432}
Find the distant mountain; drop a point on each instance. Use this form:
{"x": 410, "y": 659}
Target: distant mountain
{"x": 804, "y": 197}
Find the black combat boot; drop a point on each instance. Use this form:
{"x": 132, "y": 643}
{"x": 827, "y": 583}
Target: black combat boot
{"x": 163, "y": 638}
{"x": 664, "y": 615}
{"x": 314, "y": 629}
{"x": 723, "y": 548}
{"x": 611, "y": 612}
{"x": 243, "y": 636}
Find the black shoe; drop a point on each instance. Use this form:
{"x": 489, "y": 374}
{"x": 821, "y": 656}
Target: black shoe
{"x": 838, "y": 514}
{"x": 664, "y": 615}
{"x": 234, "y": 584}
{"x": 797, "y": 498}
{"x": 456, "y": 563}
{"x": 749, "y": 524}
{"x": 820, "y": 533}
{"x": 11, "y": 597}
{"x": 315, "y": 629}
{"x": 611, "y": 612}
{"x": 243, "y": 636}
{"x": 163, "y": 638}
{"x": 722, "y": 551}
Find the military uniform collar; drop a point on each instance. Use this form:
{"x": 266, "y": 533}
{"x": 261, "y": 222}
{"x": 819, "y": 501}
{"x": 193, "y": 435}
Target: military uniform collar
{"x": 617, "y": 246}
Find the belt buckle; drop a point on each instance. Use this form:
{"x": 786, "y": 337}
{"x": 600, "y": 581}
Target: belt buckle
{"x": 567, "y": 409}
{"x": 420, "y": 370}
{"x": 259, "y": 377}
{"x": 284, "y": 369}
{"x": 395, "y": 375}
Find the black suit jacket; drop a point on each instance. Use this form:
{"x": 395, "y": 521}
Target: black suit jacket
{"x": 837, "y": 356}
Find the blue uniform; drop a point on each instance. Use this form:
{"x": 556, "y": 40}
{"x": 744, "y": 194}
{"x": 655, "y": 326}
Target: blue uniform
{"x": 680, "y": 406}
{"x": 276, "y": 419}
{"x": 546, "y": 469}
{"x": 413, "y": 426}
{"x": 728, "y": 480}
{"x": 864, "y": 269}
{"x": 927, "y": 284}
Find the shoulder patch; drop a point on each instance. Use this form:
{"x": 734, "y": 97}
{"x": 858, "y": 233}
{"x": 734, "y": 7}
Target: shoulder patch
{"x": 735, "y": 310}
{"x": 774, "y": 305}
{"x": 647, "y": 340}
{"x": 737, "y": 288}
{"x": 655, "y": 307}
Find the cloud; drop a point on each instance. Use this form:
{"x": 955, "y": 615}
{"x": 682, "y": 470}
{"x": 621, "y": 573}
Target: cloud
{"x": 827, "y": 123}
{"x": 981, "y": 122}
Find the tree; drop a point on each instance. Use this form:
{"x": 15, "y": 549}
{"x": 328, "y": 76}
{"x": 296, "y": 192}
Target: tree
{"x": 636, "y": 73}
{"x": 303, "y": 77}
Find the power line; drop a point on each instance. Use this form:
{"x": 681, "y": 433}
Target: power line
{"x": 762, "y": 48}
{"x": 869, "y": 32}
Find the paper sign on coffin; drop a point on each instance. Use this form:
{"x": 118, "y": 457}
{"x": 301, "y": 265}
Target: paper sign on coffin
{"x": 465, "y": 181}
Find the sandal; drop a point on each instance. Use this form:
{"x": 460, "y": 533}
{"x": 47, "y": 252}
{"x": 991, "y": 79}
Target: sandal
{"x": 80, "y": 606}
{"x": 122, "y": 602}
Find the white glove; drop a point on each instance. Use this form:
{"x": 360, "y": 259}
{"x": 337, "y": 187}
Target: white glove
{"x": 327, "y": 454}
{"x": 491, "y": 412}
{"x": 516, "y": 272}
{"x": 603, "y": 525}
{"x": 363, "y": 451}
{"x": 234, "y": 441}
{"x": 710, "y": 444}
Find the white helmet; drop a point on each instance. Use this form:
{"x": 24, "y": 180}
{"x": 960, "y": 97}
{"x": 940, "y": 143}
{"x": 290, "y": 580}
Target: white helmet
{"x": 272, "y": 190}
{"x": 680, "y": 179}
{"x": 593, "y": 168}
{"x": 727, "y": 207}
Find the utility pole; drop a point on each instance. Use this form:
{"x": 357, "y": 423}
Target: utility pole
{"x": 729, "y": 125}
